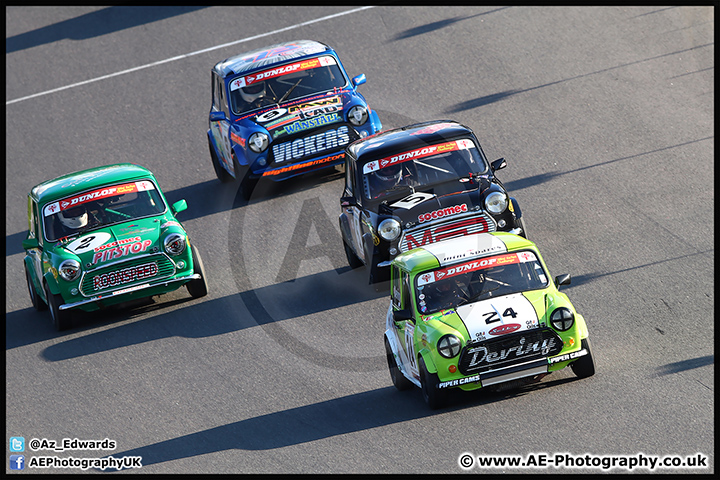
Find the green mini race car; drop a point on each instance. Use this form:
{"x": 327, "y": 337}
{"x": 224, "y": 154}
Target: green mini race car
{"x": 105, "y": 236}
{"x": 476, "y": 311}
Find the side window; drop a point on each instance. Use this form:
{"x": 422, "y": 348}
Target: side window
{"x": 31, "y": 218}
{"x": 222, "y": 100}
{"x": 218, "y": 94}
{"x": 407, "y": 302}
{"x": 349, "y": 169}
{"x": 395, "y": 288}
{"x": 34, "y": 219}
{"x": 213, "y": 82}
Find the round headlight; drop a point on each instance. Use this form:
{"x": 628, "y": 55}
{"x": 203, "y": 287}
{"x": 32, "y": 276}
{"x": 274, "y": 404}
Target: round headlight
{"x": 69, "y": 269}
{"x": 389, "y": 229}
{"x": 448, "y": 346}
{"x": 358, "y": 115}
{"x": 258, "y": 142}
{"x": 562, "y": 319}
{"x": 174, "y": 244}
{"x": 496, "y": 202}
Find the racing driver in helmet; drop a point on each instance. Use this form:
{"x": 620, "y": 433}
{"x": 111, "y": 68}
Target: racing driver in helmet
{"x": 78, "y": 218}
{"x": 386, "y": 178}
{"x": 253, "y": 95}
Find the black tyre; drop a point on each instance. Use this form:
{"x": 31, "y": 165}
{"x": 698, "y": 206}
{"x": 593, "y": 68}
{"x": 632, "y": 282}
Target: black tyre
{"x": 197, "y": 288}
{"x": 62, "y": 319}
{"x": 247, "y": 184}
{"x": 398, "y": 379}
{"x": 584, "y": 366}
{"x": 37, "y": 302}
{"x": 221, "y": 173}
{"x": 434, "y": 397}
{"x": 353, "y": 260}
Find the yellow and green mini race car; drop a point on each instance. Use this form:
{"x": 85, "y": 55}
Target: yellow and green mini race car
{"x": 476, "y": 311}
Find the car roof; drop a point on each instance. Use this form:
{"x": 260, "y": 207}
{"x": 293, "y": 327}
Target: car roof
{"x": 463, "y": 248}
{"x": 82, "y": 180}
{"x": 389, "y": 142}
{"x": 270, "y": 55}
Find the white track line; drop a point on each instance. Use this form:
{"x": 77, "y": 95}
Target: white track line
{"x": 180, "y": 57}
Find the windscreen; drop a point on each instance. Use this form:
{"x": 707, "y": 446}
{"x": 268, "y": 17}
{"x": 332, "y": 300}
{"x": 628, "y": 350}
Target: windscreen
{"x": 287, "y": 82}
{"x": 426, "y": 166}
{"x": 480, "y": 279}
{"x": 101, "y": 207}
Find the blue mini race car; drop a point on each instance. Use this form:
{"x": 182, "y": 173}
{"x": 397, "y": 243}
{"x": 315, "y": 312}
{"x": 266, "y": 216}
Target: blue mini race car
{"x": 282, "y": 111}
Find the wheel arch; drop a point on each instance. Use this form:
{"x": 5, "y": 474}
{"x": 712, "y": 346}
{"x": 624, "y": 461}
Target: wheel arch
{"x": 51, "y": 282}
{"x": 516, "y": 207}
{"x": 427, "y": 358}
{"x": 344, "y": 226}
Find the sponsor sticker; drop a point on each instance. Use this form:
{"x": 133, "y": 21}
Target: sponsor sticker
{"x": 237, "y": 83}
{"x": 503, "y": 329}
{"x": 120, "y": 248}
{"x": 104, "y": 192}
{"x": 289, "y": 68}
{"x": 443, "y": 212}
{"x": 452, "y": 229}
{"x": 418, "y": 153}
{"x": 298, "y": 166}
{"x": 568, "y": 356}
{"x": 426, "y": 278}
{"x": 309, "y": 123}
{"x": 125, "y": 275}
{"x": 531, "y": 345}
{"x": 334, "y": 101}
{"x": 459, "y": 381}
{"x": 474, "y": 265}
{"x": 311, "y": 145}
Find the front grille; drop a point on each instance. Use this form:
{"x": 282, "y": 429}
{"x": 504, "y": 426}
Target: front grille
{"x": 135, "y": 271}
{"x": 509, "y": 350}
{"x": 311, "y": 143}
{"x": 457, "y": 227}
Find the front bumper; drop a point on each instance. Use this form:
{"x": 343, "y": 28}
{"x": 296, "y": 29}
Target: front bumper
{"x": 120, "y": 295}
{"x": 285, "y": 172}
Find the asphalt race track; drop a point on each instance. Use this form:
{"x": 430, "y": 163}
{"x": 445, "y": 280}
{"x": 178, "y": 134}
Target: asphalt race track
{"x": 606, "y": 119}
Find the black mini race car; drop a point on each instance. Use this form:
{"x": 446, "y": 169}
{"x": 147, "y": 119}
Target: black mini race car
{"x": 420, "y": 184}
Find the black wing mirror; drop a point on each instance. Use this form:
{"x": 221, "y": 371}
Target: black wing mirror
{"x": 563, "y": 279}
{"x": 498, "y": 164}
{"x": 401, "y": 315}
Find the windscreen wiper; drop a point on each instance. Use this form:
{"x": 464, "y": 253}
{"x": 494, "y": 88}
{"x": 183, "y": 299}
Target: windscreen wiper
{"x": 287, "y": 94}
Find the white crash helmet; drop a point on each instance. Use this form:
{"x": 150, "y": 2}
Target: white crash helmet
{"x": 75, "y": 217}
{"x": 253, "y": 92}
{"x": 389, "y": 175}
